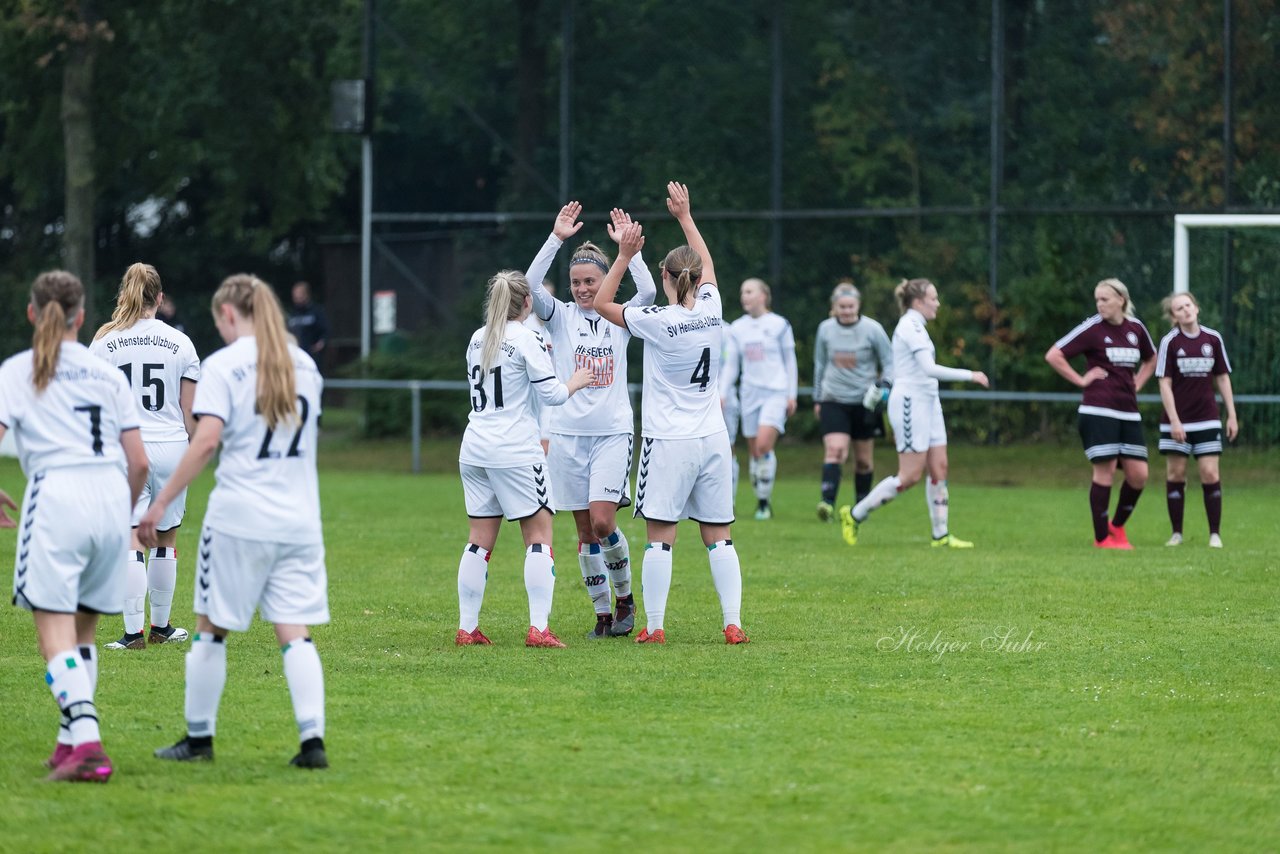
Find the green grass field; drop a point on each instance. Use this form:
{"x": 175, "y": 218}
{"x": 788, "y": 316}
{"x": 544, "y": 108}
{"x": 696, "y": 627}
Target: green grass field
{"x": 1131, "y": 706}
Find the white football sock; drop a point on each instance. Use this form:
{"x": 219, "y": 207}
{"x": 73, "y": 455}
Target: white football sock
{"x": 935, "y": 492}
{"x": 473, "y": 572}
{"x": 68, "y": 679}
{"x": 726, "y": 572}
{"x": 617, "y": 562}
{"x": 306, "y": 687}
{"x": 591, "y": 562}
{"x": 206, "y": 677}
{"x": 135, "y": 592}
{"x": 162, "y": 579}
{"x": 753, "y": 473}
{"x": 89, "y": 658}
{"x": 539, "y": 583}
{"x": 655, "y": 583}
{"x": 882, "y": 493}
{"x": 766, "y": 471}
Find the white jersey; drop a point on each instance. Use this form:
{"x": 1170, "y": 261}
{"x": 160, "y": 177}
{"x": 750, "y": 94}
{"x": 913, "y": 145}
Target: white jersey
{"x": 266, "y": 488}
{"x": 78, "y": 418}
{"x": 155, "y": 358}
{"x": 502, "y": 431}
{"x": 681, "y": 366}
{"x": 767, "y": 351}
{"x": 583, "y": 339}
{"x": 914, "y": 358}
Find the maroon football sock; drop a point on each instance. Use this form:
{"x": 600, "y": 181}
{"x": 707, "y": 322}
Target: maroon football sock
{"x": 1213, "y": 504}
{"x": 1099, "y": 498}
{"x": 1176, "y": 492}
{"x": 1125, "y": 503}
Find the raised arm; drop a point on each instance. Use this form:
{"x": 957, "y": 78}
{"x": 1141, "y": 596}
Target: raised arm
{"x": 678, "y": 204}
{"x": 566, "y": 226}
{"x": 646, "y": 287}
{"x": 630, "y": 242}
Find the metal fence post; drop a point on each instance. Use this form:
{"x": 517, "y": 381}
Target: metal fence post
{"x": 415, "y": 391}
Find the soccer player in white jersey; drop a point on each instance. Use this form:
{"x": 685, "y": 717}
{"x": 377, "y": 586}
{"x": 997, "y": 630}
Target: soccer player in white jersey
{"x": 684, "y": 455}
{"x": 261, "y": 546}
{"x": 592, "y": 434}
{"x": 915, "y": 412}
{"x": 161, "y": 366}
{"x": 1192, "y": 359}
{"x": 76, "y": 428}
{"x": 504, "y": 471}
{"x": 542, "y": 413}
{"x": 766, "y": 349}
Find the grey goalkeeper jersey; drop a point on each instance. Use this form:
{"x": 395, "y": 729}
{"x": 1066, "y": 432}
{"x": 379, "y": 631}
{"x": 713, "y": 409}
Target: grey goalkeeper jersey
{"x": 847, "y": 359}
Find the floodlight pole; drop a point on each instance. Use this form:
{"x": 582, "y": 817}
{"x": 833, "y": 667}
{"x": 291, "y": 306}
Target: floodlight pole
{"x": 366, "y": 191}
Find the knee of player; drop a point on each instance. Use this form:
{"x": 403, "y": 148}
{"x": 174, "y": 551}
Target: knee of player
{"x": 602, "y": 526}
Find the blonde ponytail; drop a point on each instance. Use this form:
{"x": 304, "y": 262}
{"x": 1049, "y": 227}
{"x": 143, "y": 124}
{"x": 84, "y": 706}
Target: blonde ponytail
{"x": 684, "y": 265}
{"x": 504, "y": 301}
{"x": 277, "y": 387}
{"x": 139, "y": 290}
{"x": 57, "y": 297}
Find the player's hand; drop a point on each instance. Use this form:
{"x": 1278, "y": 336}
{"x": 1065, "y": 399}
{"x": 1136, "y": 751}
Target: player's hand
{"x": 791, "y": 407}
{"x": 678, "y": 199}
{"x": 6, "y": 504}
{"x": 1092, "y": 376}
{"x": 1233, "y": 428}
{"x": 630, "y": 240}
{"x": 147, "y": 526}
{"x": 617, "y": 219}
{"x": 817, "y": 410}
{"x": 1177, "y": 432}
{"x": 981, "y": 379}
{"x": 874, "y": 397}
{"x": 566, "y": 221}
{"x": 581, "y": 379}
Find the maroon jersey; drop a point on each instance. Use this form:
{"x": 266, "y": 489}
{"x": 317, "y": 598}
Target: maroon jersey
{"x": 1191, "y": 362}
{"x": 1118, "y": 349}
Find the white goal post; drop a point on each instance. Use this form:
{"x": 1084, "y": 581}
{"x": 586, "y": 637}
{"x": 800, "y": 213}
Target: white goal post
{"x": 1183, "y": 223}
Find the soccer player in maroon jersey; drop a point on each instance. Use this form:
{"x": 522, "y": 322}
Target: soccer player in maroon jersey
{"x": 1191, "y": 360}
{"x": 1120, "y": 359}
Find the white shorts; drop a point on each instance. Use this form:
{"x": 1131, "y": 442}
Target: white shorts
{"x": 163, "y": 458}
{"x": 917, "y": 420}
{"x": 686, "y": 479}
{"x": 590, "y": 468}
{"x": 285, "y": 582}
{"x": 73, "y": 535}
{"x": 516, "y": 493}
{"x": 763, "y": 408}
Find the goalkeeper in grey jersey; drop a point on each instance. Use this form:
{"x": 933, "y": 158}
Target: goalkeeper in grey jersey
{"x": 852, "y": 362}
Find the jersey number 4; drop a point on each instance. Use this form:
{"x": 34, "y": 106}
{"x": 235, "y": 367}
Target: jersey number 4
{"x": 702, "y": 371}
{"x": 265, "y": 452}
{"x": 154, "y": 402}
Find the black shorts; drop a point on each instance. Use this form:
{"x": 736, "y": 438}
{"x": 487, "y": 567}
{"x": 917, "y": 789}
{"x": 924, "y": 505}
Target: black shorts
{"x": 1200, "y": 443}
{"x": 1107, "y": 438}
{"x": 852, "y": 418}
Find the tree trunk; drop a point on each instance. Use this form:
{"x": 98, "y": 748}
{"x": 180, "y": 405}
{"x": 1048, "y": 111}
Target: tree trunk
{"x": 78, "y": 145}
